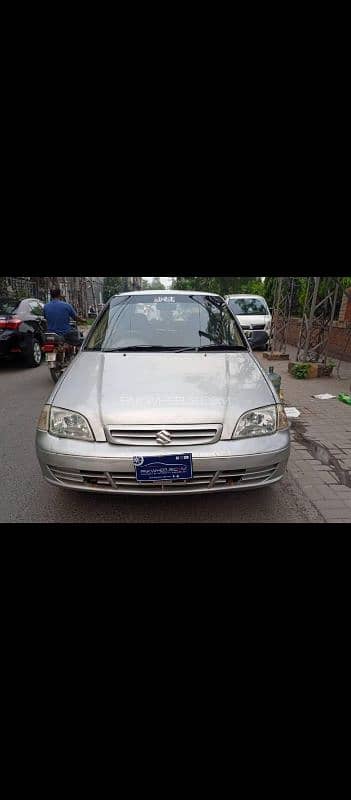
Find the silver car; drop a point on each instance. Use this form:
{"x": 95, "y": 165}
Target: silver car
{"x": 252, "y": 313}
{"x": 165, "y": 397}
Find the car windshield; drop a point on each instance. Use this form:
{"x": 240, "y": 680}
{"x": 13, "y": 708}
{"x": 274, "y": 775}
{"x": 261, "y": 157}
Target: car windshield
{"x": 165, "y": 322}
{"x": 244, "y": 306}
{"x": 7, "y": 306}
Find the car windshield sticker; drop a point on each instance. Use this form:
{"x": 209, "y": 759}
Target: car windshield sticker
{"x": 164, "y": 299}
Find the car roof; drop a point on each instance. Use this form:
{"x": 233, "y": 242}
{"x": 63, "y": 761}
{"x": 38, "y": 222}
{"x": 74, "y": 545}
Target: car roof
{"x": 257, "y": 296}
{"x": 166, "y": 291}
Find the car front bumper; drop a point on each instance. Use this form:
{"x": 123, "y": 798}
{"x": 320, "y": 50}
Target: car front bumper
{"x": 107, "y": 468}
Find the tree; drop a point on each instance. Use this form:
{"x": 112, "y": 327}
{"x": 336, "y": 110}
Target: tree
{"x": 268, "y": 288}
{"x": 113, "y": 286}
{"x": 221, "y": 285}
{"x": 156, "y": 284}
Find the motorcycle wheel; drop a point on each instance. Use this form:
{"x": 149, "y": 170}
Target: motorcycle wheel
{"x": 56, "y": 373}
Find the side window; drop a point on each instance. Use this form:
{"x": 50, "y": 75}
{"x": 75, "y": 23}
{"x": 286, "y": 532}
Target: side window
{"x": 23, "y": 308}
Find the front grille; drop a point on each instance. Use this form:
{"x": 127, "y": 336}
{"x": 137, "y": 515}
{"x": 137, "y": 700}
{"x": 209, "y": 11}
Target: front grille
{"x": 146, "y": 435}
{"x": 253, "y": 327}
{"x": 120, "y": 481}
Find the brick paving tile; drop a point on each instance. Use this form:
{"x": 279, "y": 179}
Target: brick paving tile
{"x": 327, "y": 422}
{"x": 305, "y": 463}
{"x": 329, "y": 493}
{"x": 333, "y": 507}
{"x": 335, "y": 518}
{"x": 314, "y": 494}
{"x": 325, "y": 479}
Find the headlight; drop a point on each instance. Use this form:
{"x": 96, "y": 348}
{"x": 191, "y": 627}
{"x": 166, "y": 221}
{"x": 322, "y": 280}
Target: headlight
{"x": 43, "y": 423}
{"x": 69, "y": 425}
{"x": 267, "y": 326}
{"x": 261, "y": 422}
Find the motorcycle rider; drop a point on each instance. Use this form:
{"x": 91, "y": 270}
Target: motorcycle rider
{"x": 58, "y": 314}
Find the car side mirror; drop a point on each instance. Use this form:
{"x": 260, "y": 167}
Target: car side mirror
{"x": 258, "y": 339}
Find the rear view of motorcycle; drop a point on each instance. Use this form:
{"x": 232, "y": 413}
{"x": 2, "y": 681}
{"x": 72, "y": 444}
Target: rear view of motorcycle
{"x": 59, "y": 353}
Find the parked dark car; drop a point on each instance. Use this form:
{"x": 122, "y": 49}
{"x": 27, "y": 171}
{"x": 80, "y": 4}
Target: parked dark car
{"x": 22, "y": 329}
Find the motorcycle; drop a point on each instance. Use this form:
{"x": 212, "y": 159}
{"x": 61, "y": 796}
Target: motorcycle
{"x": 59, "y": 353}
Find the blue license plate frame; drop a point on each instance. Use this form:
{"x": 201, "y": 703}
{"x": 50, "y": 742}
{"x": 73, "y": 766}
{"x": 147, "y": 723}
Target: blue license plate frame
{"x": 163, "y": 469}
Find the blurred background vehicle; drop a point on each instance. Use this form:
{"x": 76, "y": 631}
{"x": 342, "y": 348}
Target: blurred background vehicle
{"x": 22, "y": 329}
{"x": 252, "y": 313}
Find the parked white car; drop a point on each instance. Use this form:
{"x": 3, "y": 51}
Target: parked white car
{"x": 165, "y": 397}
{"x": 251, "y": 311}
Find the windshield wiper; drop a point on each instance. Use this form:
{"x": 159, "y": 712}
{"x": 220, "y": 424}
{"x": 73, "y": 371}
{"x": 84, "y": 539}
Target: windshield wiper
{"x": 185, "y": 349}
{"x": 233, "y": 347}
{"x": 156, "y": 348}
{"x": 136, "y": 347}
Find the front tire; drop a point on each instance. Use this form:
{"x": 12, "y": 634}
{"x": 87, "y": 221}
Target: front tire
{"x": 33, "y": 359}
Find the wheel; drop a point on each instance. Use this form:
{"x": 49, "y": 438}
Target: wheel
{"x": 33, "y": 359}
{"x": 56, "y": 373}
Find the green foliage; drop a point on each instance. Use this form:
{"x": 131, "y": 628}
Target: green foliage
{"x": 156, "y": 284}
{"x": 300, "y": 370}
{"x": 268, "y": 290}
{"x": 9, "y": 291}
{"x": 254, "y": 286}
{"x": 113, "y": 286}
{"x": 221, "y": 285}
{"x": 345, "y": 282}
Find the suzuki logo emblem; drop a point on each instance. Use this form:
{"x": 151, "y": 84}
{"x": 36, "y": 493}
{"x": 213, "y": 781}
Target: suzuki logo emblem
{"x": 163, "y": 437}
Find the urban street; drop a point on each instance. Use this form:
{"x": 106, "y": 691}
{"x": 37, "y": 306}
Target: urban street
{"x": 246, "y": 374}
{"x": 26, "y": 497}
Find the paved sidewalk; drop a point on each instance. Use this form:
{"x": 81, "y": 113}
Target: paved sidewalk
{"x": 320, "y": 459}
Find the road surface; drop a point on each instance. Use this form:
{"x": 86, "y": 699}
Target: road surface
{"x": 26, "y": 497}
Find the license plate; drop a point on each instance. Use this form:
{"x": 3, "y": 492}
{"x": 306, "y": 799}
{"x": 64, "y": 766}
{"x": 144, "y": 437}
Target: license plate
{"x": 157, "y": 469}
{"x": 51, "y": 356}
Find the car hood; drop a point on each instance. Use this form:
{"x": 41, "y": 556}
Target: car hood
{"x": 163, "y": 389}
